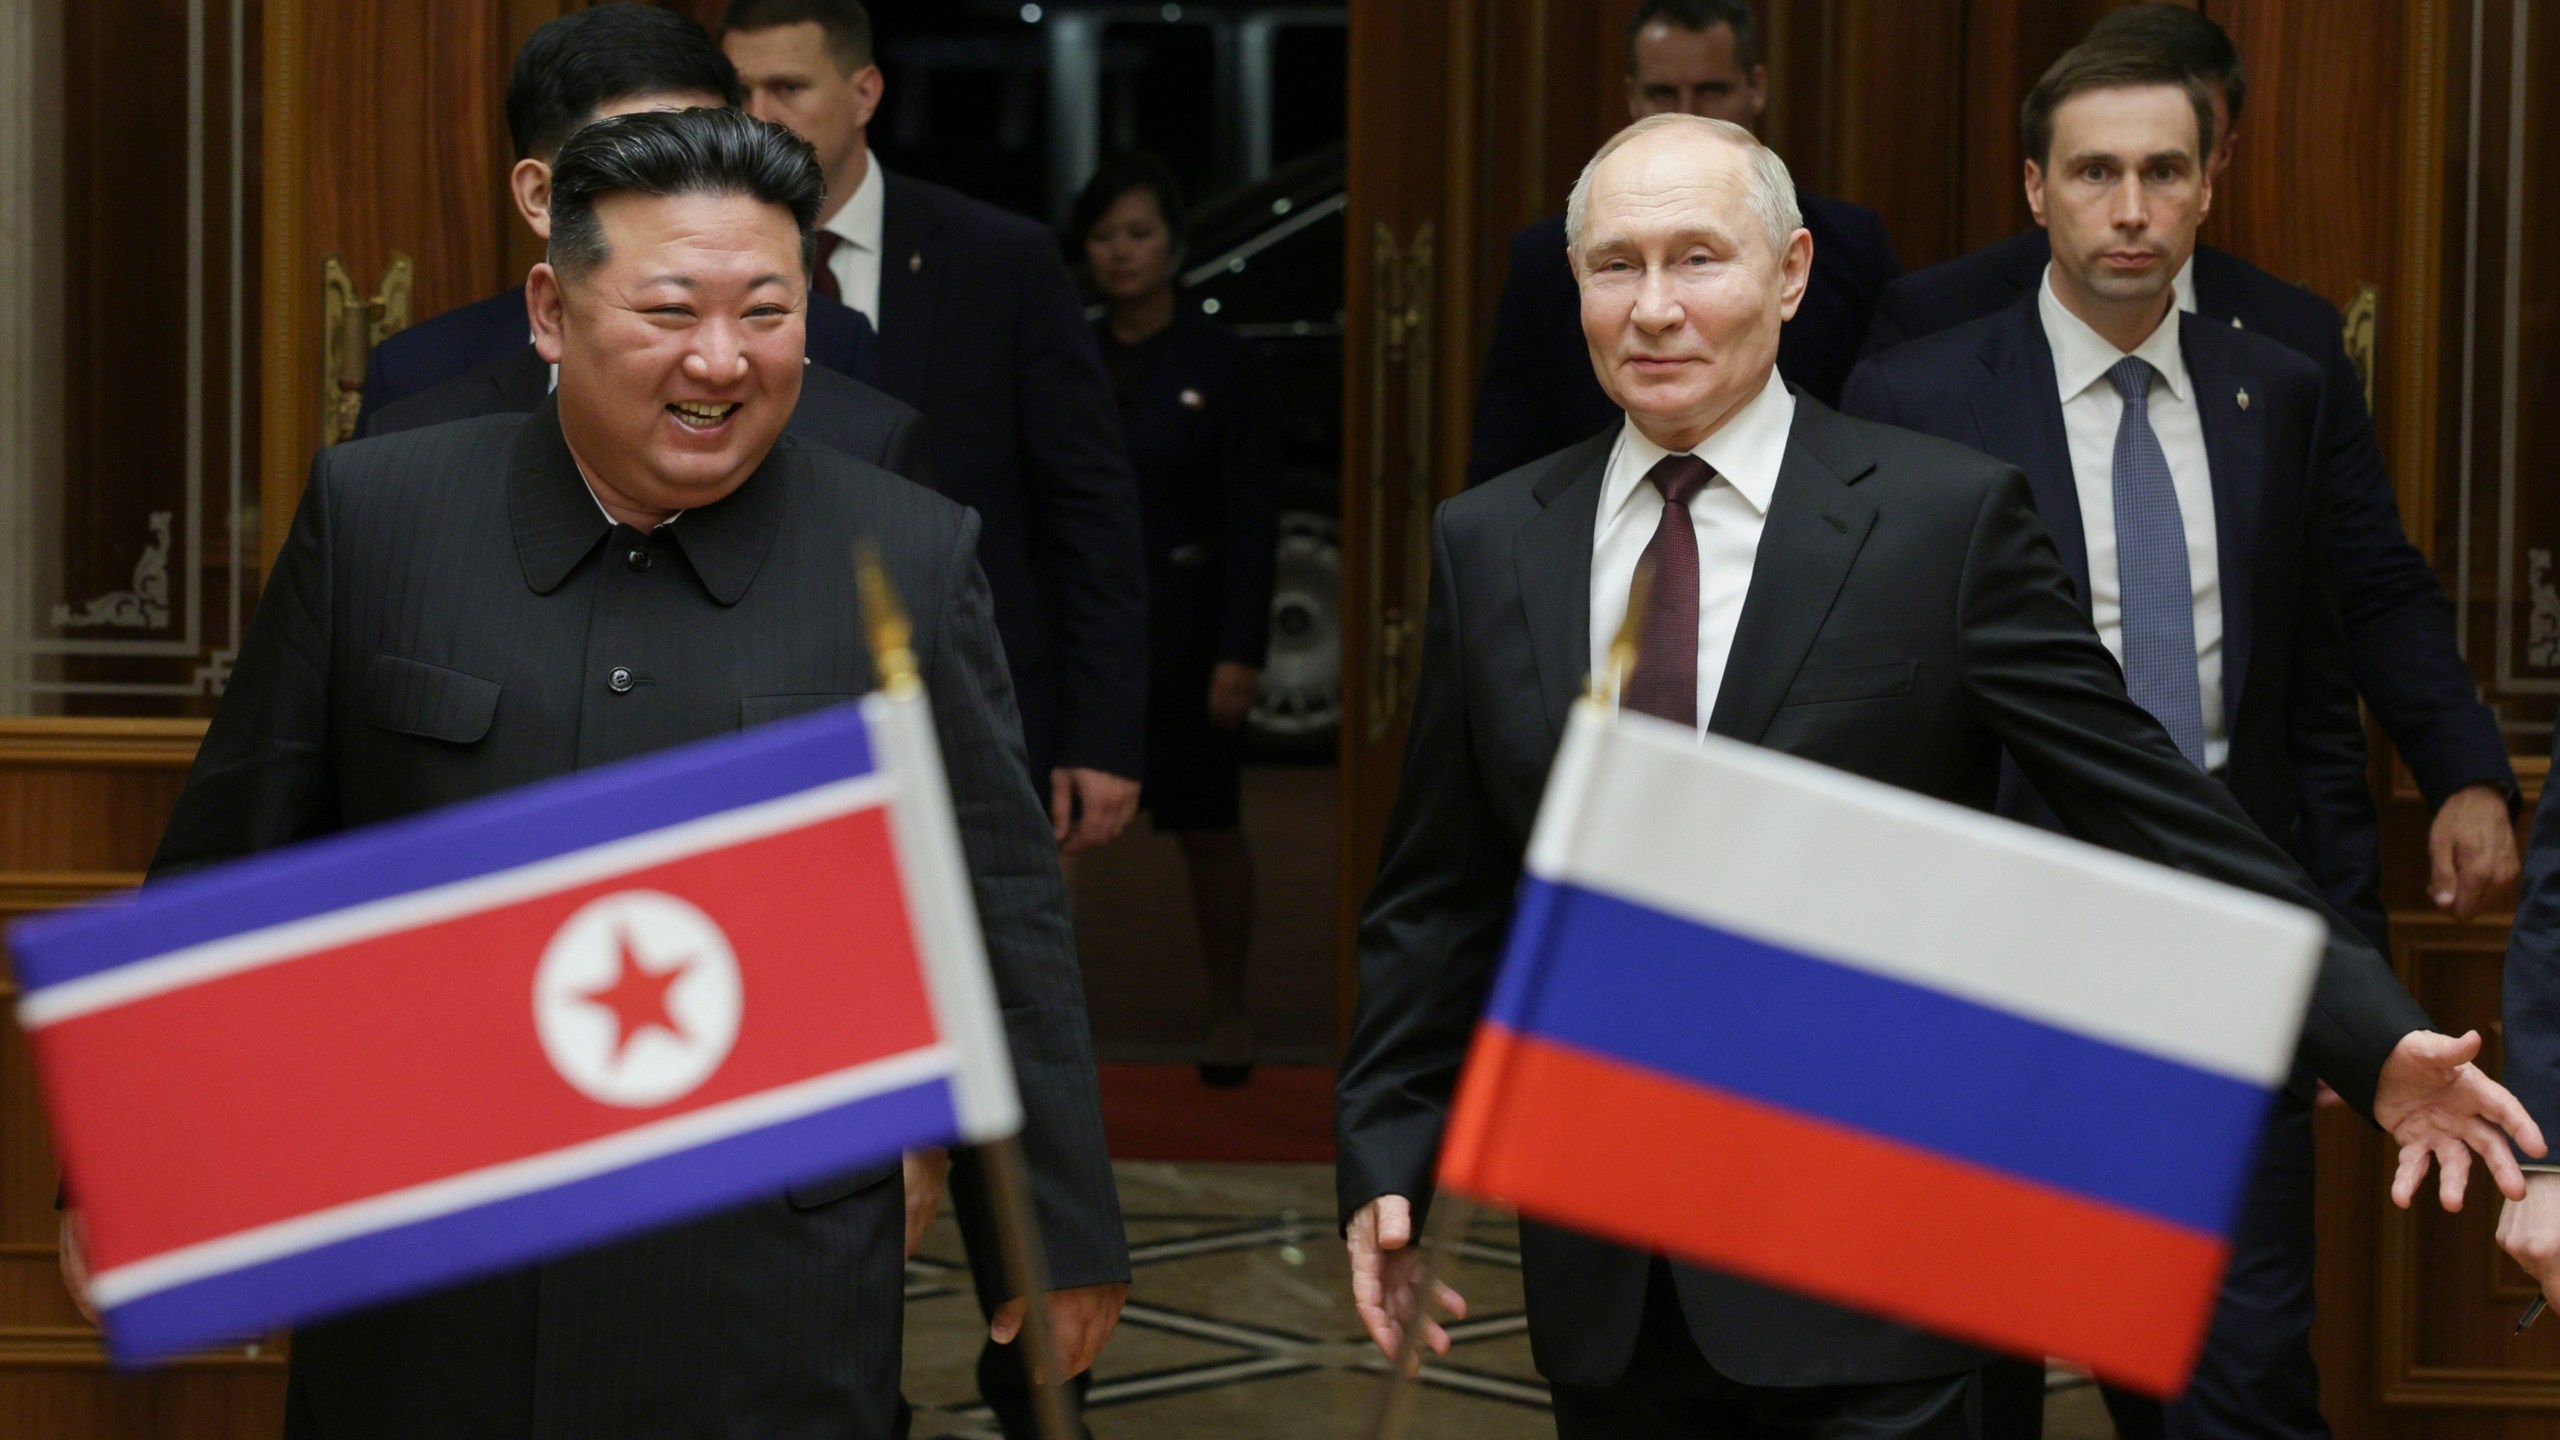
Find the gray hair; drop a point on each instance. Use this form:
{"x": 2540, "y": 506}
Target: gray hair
{"x": 1772, "y": 193}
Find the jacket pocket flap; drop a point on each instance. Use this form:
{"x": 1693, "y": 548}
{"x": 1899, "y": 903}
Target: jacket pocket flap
{"x": 1852, "y": 682}
{"x": 757, "y": 710}
{"x": 412, "y": 697}
{"x": 810, "y": 1194}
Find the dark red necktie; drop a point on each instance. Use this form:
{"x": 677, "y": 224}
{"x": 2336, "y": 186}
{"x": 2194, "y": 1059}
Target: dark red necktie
{"x": 825, "y": 278}
{"x": 1665, "y": 682}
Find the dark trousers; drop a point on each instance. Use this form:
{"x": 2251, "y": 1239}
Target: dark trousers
{"x": 1670, "y": 1392}
{"x": 1006, "y": 1388}
{"x": 2255, "y": 1379}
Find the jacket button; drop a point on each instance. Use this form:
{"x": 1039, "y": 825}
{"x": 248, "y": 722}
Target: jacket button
{"x": 619, "y": 682}
{"x": 638, "y": 559}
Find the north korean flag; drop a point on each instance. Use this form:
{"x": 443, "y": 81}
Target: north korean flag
{"x": 383, "y": 1062}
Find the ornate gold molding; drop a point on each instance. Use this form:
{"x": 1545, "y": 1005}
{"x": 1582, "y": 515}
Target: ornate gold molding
{"x": 56, "y": 743}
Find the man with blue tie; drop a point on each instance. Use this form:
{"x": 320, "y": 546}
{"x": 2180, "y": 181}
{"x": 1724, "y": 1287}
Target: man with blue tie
{"x": 2179, "y": 465}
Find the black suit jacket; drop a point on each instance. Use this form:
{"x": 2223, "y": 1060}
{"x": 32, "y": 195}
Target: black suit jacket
{"x": 2532, "y": 994}
{"x": 1906, "y": 591}
{"x": 1539, "y": 394}
{"x": 2297, "y": 758}
{"x": 447, "y": 346}
{"x": 2398, "y": 625}
{"x": 438, "y": 626}
{"x": 980, "y": 329}
{"x": 845, "y": 415}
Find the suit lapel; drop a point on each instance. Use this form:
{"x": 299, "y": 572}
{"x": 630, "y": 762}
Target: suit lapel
{"x": 2235, "y": 453}
{"x": 2218, "y": 287}
{"x": 1552, "y": 553}
{"x": 1815, "y": 527}
{"x": 2017, "y": 415}
{"x": 910, "y": 287}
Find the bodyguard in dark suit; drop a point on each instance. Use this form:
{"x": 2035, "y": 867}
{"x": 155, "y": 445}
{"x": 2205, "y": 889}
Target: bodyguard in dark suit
{"x": 2529, "y": 1229}
{"x": 1874, "y": 600}
{"x": 2178, "y": 463}
{"x": 645, "y": 560}
{"x": 2397, "y": 625}
{"x": 981, "y": 330}
{"x": 607, "y": 60}
{"x": 844, "y": 415}
{"x": 1695, "y": 57}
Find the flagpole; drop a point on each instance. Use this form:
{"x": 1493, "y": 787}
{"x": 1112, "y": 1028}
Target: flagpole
{"x": 1007, "y": 1173}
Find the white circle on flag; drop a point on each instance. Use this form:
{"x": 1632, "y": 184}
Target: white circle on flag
{"x": 637, "y": 998}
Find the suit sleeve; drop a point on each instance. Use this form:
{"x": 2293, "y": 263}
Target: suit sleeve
{"x": 1084, "y": 510}
{"x": 1515, "y": 407}
{"x": 263, "y": 777}
{"x": 2051, "y": 695}
{"x": 2532, "y": 992}
{"x": 1022, "y": 908}
{"x": 1429, "y": 935}
{"x": 1251, "y": 525}
{"x": 2398, "y": 623}
{"x": 2332, "y": 773}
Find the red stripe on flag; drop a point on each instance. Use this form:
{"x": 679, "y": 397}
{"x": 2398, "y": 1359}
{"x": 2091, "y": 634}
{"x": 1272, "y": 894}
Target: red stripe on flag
{"x": 413, "y": 1056}
{"x": 1586, "y": 1142}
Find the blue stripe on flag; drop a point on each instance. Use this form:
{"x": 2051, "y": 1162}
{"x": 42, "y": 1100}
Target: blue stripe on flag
{"x": 440, "y": 847}
{"x": 524, "y": 1229}
{"x": 1880, "y": 1055}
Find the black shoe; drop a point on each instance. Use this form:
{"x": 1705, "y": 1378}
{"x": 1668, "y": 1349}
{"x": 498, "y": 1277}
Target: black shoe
{"x": 1225, "y": 1075}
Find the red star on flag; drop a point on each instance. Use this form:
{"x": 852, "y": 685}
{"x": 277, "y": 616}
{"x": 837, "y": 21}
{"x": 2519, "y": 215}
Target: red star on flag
{"x": 637, "y": 998}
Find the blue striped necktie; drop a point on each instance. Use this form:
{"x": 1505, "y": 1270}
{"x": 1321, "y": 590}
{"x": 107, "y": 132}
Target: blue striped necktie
{"x": 2157, "y": 593}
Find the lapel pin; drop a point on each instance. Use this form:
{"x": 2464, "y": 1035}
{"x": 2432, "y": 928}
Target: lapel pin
{"x": 1192, "y": 400}
{"x": 915, "y": 263}
{"x": 2236, "y": 325}
{"x": 2244, "y": 399}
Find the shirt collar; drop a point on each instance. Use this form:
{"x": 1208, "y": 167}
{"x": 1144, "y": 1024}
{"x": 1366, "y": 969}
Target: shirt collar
{"x": 2185, "y": 285}
{"x": 860, "y": 219}
{"x": 558, "y": 520}
{"x": 1746, "y": 452}
{"x": 2082, "y": 357}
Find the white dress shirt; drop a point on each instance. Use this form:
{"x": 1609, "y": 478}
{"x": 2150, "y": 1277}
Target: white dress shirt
{"x": 2091, "y": 410}
{"x": 857, "y": 261}
{"x": 1728, "y": 516}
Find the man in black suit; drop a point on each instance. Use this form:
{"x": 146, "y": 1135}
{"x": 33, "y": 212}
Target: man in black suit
{"x": 981, "y": 329}
{"x": 605, "y": 60}
{"x": 2529, "y": 1229}
{"x": 1693, "y": 57}
{"x": 2400, "y": 647}
{"x": 1871, "y": 599}
{"x": 843, "y": 414}
{"x": 2201, "y": 566}
{"x": 643, "y": 561}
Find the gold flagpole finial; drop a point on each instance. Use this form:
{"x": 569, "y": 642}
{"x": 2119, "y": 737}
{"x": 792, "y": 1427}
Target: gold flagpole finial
{"x": 884, "y": 620}
{"x": 1610, "y": 681}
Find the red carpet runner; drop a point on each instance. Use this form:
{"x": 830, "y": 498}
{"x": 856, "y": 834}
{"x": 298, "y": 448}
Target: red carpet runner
{"x": 1163, "y": 1112}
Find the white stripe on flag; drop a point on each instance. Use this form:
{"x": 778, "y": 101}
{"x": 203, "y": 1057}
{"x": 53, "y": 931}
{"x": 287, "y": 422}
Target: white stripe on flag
{"x": 1816, "y": 860}
{"x": 553, "y": 1168}
{"x": 252, "y": 949}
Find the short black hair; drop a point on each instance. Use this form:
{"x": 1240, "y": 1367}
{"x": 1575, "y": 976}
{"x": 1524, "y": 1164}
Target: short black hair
{"x": 2088, "y": 67}
{"x": 846, "y": 23}
{"x": 2187, "y": 36}
{"x": 576, "y": 65}
{"x": 1699, "y": 15}
{"x": 1120, "y": 176}
{"x": 679, "y": 152}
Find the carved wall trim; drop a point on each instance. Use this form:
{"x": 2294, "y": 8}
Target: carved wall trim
{"x": 2415, "y": 307}
{"x": 56, "y": 743}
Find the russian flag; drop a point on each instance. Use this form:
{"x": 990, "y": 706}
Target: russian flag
{"x": 1773, "y": 1018}
{"x": 336, "y": 1074}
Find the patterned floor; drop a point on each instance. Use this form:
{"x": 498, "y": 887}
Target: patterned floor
{"x": 1240, "y": 1326}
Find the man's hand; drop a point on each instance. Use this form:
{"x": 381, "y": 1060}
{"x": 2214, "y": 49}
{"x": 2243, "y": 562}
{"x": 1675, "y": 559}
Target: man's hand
{"x": 925, "y": 1172}
{"x": 1106, "y": 800}
{"x": 2472, "y": 849}
{"x": 1080, "y": 1320}
{"x": 1231, "y": 688}
{"x": 2529, "y": 1229}
{"x": 75, "y": 1265}
{"x": 1384, "y": 1262}
{"x": 2434, "y": 1101}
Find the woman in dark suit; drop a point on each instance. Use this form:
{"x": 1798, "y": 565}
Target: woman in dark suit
{"x": 1191, "y": 409}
